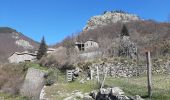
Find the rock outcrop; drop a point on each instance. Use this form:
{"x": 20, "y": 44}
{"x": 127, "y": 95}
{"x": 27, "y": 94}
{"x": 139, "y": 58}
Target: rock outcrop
{"x": 34, "y": 82}
{"x": 109, "y": 17}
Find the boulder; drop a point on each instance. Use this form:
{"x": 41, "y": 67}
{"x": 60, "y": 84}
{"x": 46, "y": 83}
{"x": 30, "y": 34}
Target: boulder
{"x": 117, "y": 91}
{"x": 87, "y": 98}
{"x": 33, "y": 83}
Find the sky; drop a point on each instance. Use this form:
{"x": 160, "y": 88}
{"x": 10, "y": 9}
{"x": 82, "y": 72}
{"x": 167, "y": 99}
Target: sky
{"x": 56, "y": 19}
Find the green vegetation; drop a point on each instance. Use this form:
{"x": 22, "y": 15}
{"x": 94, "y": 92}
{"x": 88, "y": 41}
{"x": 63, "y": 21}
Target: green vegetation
{"x": 138, "y": 86}
{"x": 42, "y": 49}
{"x": 131, "y": 86}
{"x": 4, "y": 96}
{"x": 124, "y": 31}
{"x": 36, "y": 66}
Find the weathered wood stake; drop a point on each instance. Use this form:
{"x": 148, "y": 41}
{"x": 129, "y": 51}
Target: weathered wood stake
{"x": 98, "y": 80}
{"x": 149, "y": 73}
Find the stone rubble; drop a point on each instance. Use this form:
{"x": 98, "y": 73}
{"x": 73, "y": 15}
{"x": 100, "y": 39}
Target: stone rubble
{"x": 104, "y": 94}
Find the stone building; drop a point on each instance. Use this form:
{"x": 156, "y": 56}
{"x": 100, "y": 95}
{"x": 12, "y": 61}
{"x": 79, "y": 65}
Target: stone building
{"x": 49, "y": 50}
{"x": 87, "y": 46}
{"x": 18, "y": 57}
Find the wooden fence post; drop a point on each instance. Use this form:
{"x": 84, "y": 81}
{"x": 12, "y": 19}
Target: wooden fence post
{"x": 91, "y": 73}
{"x": 149, "y": 73}
{"x": 98, "y": 80}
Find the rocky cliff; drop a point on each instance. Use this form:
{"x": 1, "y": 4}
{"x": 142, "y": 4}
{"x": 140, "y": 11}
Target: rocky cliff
{"x": 110, "y": 17}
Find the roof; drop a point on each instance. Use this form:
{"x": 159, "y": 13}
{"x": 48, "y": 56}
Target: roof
{"x": 51, "y": 49}
{"x": 79, "y": 43}
{"x": 22, "y": 53}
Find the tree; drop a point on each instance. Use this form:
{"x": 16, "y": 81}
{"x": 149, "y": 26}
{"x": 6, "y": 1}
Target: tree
{"x": 42, "y": 49}
{"x": 124, "y": 31}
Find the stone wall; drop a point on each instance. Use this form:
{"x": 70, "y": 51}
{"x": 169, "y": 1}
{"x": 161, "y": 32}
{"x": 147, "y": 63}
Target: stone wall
{"x": 91, "y": 46}
{"x": 15, "y": 58}
{"x": 119, "y": 70}
{"x": 129, "y": 69}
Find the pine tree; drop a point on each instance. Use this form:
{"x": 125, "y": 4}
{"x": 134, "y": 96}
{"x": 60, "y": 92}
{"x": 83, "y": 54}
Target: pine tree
{"x": 124, "y": 31}
{"x": 42, "y": 49}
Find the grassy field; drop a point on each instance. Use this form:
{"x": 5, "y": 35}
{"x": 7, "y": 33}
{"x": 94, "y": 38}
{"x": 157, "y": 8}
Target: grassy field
{"x": 131, "y": 86}
{"x": 138, "y": 86}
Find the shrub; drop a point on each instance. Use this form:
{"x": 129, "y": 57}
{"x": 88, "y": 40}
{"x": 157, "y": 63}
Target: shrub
{"x": 52, "y": 76}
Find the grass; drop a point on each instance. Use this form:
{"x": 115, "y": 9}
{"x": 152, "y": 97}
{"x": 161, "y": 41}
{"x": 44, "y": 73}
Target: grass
{"x": 138, "y": 86}
{"x": 4, "y": 96}
{"x": 131, "y": 87}
{"x": 62, "y": 89}
{"x": 36, "y": 66}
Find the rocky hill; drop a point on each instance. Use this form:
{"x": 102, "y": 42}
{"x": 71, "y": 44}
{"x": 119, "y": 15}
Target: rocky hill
{"x": 106, "y": 28}
{"x": 110, "y": 17}
{"x": 12, "y": 41}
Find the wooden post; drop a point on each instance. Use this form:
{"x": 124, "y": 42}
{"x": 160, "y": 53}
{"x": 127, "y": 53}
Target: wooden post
{"x": 149, "y": 73}
{"x": 105, "y": 75}
{"x": 98, "y": 80}
{"x": 91, "y": 73}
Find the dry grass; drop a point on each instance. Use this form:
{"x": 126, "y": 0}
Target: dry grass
{"x": 11, "y": 78}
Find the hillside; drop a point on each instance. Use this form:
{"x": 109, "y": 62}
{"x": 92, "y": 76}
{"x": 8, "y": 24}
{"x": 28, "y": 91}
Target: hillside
{"x": 110, "y": 17}
{"x": 12, "y": 41}
{"x": 105, "y": 29}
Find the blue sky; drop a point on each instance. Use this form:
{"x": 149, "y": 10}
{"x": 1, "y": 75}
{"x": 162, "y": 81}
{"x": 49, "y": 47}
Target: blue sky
{"x": 56, "y": 19}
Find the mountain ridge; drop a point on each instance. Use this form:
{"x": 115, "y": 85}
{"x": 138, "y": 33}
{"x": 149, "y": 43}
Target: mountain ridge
{"x": 13, "y": 41}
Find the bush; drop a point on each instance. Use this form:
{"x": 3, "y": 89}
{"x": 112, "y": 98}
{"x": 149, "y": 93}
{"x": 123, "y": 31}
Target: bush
{"x": 58, "y": 59}
{"x": 51, "y": 77}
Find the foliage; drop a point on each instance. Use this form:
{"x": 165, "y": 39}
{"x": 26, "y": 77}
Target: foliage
{"x": 124, "y": 31}
{"x": 51, "y": 77}
{"x": 5, "y": 96}
{"x": 42, "y": 49}
{"x": 59, "y": 59}
{"x": 165, "y": 49}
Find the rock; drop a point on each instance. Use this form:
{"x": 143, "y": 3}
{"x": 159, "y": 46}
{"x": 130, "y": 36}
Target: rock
{"x": 24, "y": 44}
{"x": 69, "y": 98}
{"x": 93, "y": 94}
{"x": 105, "y": 91}
{"x": 116, "y": 91}
{"x": 87, "y": 98}
{"x": 42, "y": 94}
{"x": 33, "y": 83}
{"x": 78, "y": 95}
{"x": 109, "y": 17}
